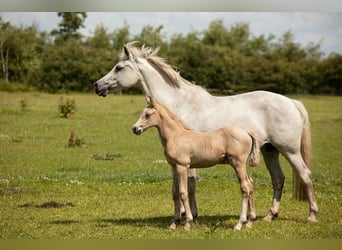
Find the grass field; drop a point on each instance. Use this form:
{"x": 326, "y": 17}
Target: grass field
{"x": 118, "y": 186}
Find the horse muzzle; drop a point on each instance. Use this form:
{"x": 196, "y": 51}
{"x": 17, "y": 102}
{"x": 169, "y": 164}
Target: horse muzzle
{"x": 137, "y": 130}
{"x": 104, "y": 89}
{"x": 100, "y": 91}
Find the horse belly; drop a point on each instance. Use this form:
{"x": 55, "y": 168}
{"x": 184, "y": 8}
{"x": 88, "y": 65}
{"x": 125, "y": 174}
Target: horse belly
{"x": 273, "y": 117}
{"x": 204, "y": 160}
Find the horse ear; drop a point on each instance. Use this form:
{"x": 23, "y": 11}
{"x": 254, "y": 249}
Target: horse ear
{"x": 126, "y": 51}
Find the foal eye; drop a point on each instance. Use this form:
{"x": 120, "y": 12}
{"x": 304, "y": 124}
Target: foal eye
{"x": 147, "y": 116}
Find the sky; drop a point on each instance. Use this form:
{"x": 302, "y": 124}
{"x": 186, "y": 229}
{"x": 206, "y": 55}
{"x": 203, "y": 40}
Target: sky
{"x": 308, "y": 27}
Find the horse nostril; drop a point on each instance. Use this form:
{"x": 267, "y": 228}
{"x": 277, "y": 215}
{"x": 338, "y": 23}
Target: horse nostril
{"x": 136, "y": 130}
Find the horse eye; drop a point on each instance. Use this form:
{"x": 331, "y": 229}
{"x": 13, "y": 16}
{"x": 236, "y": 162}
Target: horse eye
{"x": 118, "y": 68}
{"x": 147, "y": 116}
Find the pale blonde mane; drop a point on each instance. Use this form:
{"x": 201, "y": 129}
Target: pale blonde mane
{"x": 158, "y": 106}
{"x": 157, "y": 62}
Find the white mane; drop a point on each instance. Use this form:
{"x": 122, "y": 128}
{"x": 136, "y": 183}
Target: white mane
{"x": 150, "y": 54}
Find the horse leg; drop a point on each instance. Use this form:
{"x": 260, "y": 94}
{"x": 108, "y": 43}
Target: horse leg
{"x": 191, "y": 192}
{"x": 251, "y": 205}
{"x": 246, "y": 188}
{"x": 304, "y": 173}
{"x": 176, "y": 200}
{"x": 271, "y": 157}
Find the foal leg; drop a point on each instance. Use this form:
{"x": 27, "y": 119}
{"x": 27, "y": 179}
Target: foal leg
{"x": 176, "y": 199}
{"x": 304, "y": 173}
{"x": 180, "y": 194}
{"x": 251, "y": 206}
{"x": 271, "y": 157}
{"x": 182, "y": 172}
{"x": 191, "y": 192}
{"x": 247, "y": 195}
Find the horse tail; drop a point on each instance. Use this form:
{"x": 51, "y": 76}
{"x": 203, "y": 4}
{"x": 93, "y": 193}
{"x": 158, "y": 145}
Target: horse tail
{"x": 305, "y": 143}
{"x": 299, "y": 189}
{"x": 253, "y": 158}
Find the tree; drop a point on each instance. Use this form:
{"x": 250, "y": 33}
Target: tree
{"x": 6, "y": 44}
{"x": 69, "y": 26}
{"x": 330, "y": 71}
{"x": 120, "y": 37}
{"x": 188, "y": 54}
{"x": 100, "y": 39}
{"x": 20, "y": 50}
{"x": 216, "y": 34}
{"x": 152, "y": 37}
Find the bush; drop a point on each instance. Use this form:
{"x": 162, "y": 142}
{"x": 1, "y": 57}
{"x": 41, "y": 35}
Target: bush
{"x": 67, "y": 107}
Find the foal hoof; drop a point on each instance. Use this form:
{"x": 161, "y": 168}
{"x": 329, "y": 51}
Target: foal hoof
{"x": 238, "y": 227}
{"x": 270, "y": 217}
{"x": 312, "y": 219}
{"x": 187, "y": 227}
{"x": 173, "y": 226}
{"x": 249, "y": 224}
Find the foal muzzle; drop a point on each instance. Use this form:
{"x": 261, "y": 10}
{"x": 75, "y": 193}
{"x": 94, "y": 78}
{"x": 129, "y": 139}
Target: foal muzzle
{"x": 137, "y": 130}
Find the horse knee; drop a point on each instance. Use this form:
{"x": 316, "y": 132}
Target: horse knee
{"x": 184, "y": 196}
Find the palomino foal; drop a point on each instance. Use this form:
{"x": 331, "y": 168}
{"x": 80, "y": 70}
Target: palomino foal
{"x": 185, "y": 148}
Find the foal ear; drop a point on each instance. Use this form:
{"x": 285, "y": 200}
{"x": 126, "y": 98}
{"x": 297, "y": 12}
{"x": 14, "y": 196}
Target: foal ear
{"x": 149, "y": 100}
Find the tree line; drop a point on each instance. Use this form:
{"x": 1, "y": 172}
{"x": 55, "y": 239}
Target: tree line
{"x": 222, "y": 59}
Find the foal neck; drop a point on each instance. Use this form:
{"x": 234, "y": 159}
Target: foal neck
{"x": 169, "y": 125}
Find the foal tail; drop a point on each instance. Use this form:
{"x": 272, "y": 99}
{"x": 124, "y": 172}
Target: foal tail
{"x": 253, "y": 158}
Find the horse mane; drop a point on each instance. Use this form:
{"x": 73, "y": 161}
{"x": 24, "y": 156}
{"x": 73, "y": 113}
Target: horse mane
{"x": 173, "y": 77}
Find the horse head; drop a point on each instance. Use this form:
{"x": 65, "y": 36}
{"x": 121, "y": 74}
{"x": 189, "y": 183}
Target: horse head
{"x": 124, "y": 74}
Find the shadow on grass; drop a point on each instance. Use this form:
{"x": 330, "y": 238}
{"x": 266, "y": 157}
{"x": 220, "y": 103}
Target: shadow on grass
{"x": 165, "y": 221}
{"x": 64, "y": 222}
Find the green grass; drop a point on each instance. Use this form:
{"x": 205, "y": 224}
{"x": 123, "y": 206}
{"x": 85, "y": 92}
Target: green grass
{"x": 120, "y": 185}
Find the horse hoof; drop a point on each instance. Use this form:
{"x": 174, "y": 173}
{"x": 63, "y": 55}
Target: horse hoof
{"x": 187, "y": 225}
{"x": 268, "y": 218}
{"x": 173, "y": 226}
{"x": 237, "y": 228}
{"x": 249, "y": 224}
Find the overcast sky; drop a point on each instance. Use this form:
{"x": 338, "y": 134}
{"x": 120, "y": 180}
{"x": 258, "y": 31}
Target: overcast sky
{"x": 315, "y": 27}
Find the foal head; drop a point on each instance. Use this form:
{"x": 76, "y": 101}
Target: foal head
{"x": 148, "y": 118}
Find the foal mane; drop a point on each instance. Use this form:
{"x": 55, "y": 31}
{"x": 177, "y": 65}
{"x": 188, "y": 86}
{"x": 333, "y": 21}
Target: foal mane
{"x": 171, "y": 115}
{"x": 150, "y": 54}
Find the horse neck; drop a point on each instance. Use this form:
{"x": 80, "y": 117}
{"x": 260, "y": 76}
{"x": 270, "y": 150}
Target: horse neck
{"x": 169, "y": 126}
{"x": 161, "y": 88}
